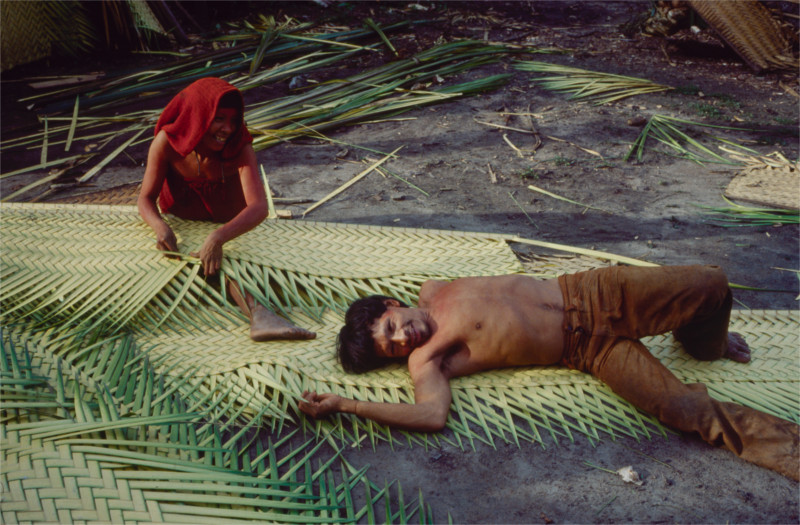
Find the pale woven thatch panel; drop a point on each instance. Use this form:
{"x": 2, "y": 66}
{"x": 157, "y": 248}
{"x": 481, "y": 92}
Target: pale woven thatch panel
{"x": 321, "y": 264}
{"x": 337, "y": 250}
{"x": 164, "y": 391}
{"x": 48, "y": 482}
{"x": 354, "y": 251}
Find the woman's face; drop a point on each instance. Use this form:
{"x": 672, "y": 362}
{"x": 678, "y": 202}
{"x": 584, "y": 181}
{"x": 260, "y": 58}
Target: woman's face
{"x": 225, "y": 122}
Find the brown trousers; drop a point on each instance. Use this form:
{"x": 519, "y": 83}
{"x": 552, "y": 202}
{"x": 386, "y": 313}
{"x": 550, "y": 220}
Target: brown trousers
{"x": 608, "y": 310}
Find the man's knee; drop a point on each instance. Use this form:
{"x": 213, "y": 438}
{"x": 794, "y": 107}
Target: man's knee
{"x": 715, "y": 277}
{"x": 712, "y": 283}
{"x": 686, "y": 410}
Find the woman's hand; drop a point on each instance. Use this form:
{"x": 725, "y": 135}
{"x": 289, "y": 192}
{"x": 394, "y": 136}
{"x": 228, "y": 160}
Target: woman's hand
{"x": 321, "y": 405}
{"x": 165, "y": 239}
{"x": 211, "y": 254}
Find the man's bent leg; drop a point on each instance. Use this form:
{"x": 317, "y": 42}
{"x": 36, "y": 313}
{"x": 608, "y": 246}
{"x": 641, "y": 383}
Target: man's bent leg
{"x": 632, "y": 372}
{"x": 264, "y": 324}
{"x": 634, "y": 302}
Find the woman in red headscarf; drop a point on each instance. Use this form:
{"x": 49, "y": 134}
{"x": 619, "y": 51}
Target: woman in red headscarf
{"x": 201, "y": 166}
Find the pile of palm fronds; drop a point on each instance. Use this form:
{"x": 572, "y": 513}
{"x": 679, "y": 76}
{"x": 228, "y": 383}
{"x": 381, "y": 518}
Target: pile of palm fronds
{"x": 601, "y": 88}
{"x": 384, "y": 91}
{"x": 269, "y": 52}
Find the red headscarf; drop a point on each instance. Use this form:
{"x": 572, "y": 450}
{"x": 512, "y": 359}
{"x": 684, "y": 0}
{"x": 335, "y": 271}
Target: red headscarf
{"x": 188, "y": 116}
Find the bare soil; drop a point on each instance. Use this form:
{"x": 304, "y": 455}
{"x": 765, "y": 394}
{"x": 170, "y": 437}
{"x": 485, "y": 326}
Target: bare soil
{"x": 463, "y": 174}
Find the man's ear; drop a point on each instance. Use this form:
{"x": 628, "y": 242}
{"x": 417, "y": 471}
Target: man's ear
{"x": 392, "y": 302}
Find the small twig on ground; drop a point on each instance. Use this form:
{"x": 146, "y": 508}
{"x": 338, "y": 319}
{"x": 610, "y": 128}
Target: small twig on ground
{"x": 590, "y": 151}
{"x": 788, "y": 89}
{"x": 529, "y": 118}
{"x": 604, "y": 506}
{"x": 599, "y": 468}
{"x": 648, "y": 456}
{"x": 492, "y": 176}
{"x": 383, "y": 171}
{"x": 666, "y": 55}
{"x": 559, "y": 197}
{"x": 500, "y": 126}
{"x": 516, "y": 149}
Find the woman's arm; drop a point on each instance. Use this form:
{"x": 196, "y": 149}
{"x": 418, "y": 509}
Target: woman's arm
{"x": 251, "y": 216}
{"x": 154, "y": 173}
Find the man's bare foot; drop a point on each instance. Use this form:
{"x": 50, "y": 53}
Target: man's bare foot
{"x": 738, "y": 350}
{"x": 266, "y": 326}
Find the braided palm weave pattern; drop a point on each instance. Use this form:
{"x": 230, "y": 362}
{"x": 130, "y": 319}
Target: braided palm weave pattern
{"x": 170, "y": 343}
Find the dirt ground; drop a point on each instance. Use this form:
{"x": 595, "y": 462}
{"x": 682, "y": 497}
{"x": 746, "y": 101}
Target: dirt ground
{"x": 464, "y": 175}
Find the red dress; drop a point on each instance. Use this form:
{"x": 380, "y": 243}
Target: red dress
{"x": 201, "y": 199}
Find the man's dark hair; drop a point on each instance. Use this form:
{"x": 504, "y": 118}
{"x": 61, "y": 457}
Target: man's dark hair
{"x": 355, "y": 345}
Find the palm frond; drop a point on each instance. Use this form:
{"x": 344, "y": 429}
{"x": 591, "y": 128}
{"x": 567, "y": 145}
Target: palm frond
{"x": 740, "y": 215}
{"x": 122, "y": 432}
{"x": 599, "y": 87}
{"x": 673, "y": 132}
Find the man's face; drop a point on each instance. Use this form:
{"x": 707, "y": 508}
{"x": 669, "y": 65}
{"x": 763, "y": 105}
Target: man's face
{"x": 399, "y": 331}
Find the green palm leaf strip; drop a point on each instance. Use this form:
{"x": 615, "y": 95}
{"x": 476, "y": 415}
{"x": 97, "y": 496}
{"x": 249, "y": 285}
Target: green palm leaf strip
{"x": 375, "y": 27}
{"x": 735, "y": 215}
{"x": 601, "y": 88}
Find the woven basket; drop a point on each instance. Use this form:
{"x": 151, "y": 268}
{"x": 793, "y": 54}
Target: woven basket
{"x": 749, "y": 28}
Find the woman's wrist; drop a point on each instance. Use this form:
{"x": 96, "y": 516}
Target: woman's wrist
{"x": 217, "y": 236}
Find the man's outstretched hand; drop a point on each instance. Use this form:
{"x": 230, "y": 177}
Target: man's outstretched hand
{"x": 323, "y": 405}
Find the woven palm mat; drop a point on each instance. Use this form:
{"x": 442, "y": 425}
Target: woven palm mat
{"x": 512, "y": 404}
{"x": 126, "y": 194}
{"x": 776, "y": 185}
{"x": 66, "y": 268}
{"x": 326, "y": 265}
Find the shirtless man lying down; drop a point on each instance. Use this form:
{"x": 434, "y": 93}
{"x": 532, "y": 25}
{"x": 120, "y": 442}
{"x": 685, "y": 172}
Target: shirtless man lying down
{"x": 590, "y": 321}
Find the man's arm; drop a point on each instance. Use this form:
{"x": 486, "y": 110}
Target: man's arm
{"x": 429, "y": 412}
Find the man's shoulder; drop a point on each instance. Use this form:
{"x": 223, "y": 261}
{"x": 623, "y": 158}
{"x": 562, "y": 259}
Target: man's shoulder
{"x": 428, "y": 291}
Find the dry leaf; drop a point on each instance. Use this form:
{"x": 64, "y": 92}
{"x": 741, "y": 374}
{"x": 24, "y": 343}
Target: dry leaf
{"x": 629, "y": 475}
